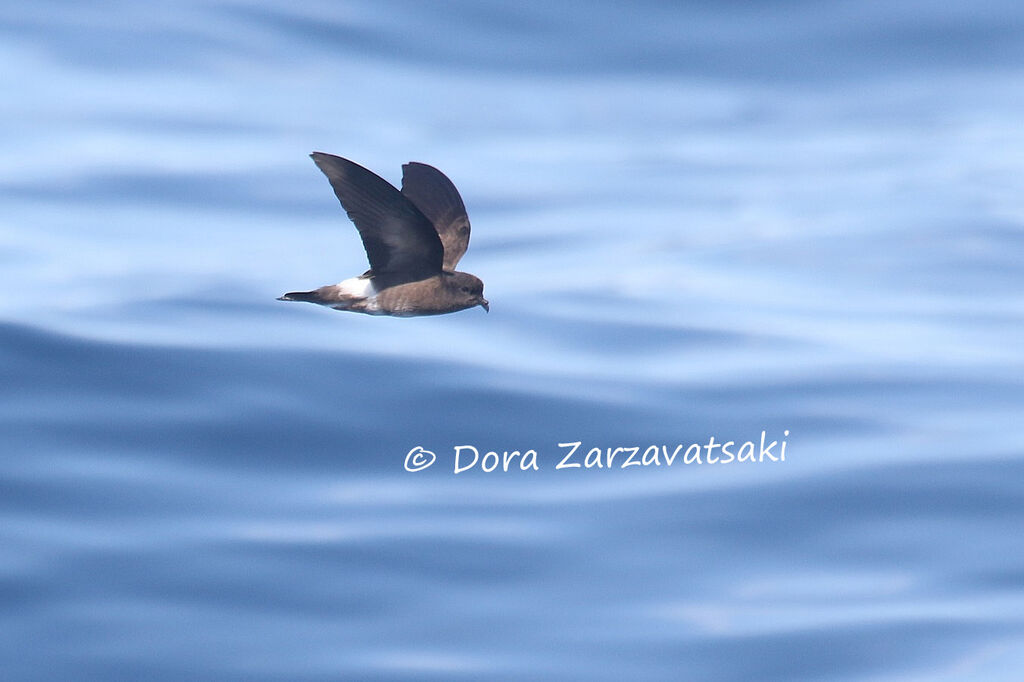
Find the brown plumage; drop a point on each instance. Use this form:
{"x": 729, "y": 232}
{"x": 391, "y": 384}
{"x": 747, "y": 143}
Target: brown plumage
{"x": 413, "y": 239}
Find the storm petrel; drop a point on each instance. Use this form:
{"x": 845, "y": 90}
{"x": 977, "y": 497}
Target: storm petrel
{"x": 413, "y": 240}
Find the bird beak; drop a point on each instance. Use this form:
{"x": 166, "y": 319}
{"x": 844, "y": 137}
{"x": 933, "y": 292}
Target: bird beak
{"x": 485, "y": 305}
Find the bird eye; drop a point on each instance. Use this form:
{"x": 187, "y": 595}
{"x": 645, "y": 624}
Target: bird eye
{"x": 465, "y": 290}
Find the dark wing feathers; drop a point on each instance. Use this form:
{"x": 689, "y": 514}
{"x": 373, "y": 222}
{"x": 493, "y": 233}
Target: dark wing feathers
{"x": 436, "y": 197}
{"x": 399, "y": 240}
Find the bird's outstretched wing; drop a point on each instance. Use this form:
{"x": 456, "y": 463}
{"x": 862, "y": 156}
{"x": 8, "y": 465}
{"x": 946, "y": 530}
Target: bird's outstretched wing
{"x": 436, "y": 197}
{"x": 400, "y": 241}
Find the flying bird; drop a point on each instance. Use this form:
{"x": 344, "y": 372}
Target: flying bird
{"x": 413, "y": 239}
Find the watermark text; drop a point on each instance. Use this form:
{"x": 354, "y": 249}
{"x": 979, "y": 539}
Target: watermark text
{"x": 576, "y": 455}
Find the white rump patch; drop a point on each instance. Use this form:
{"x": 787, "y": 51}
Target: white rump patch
{"x": 358, "y": 287}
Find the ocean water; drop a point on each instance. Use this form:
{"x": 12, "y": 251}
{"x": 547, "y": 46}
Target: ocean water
{"x": 786, "y": 220}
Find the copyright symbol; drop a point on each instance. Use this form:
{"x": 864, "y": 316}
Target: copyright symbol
{"x": 419, "y": 459}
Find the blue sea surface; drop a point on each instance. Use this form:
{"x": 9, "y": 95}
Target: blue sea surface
{"x": 790, "y": 221}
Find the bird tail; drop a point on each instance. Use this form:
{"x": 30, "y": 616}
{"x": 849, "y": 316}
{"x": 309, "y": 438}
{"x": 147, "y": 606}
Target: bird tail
{"x": 307, "y": 296}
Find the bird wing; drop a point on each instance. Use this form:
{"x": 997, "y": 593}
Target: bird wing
{"x": 436, "y": 197}
{"x": 399, "y": 240}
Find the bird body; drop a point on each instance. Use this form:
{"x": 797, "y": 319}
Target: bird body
{"x": 413, "y": 238}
